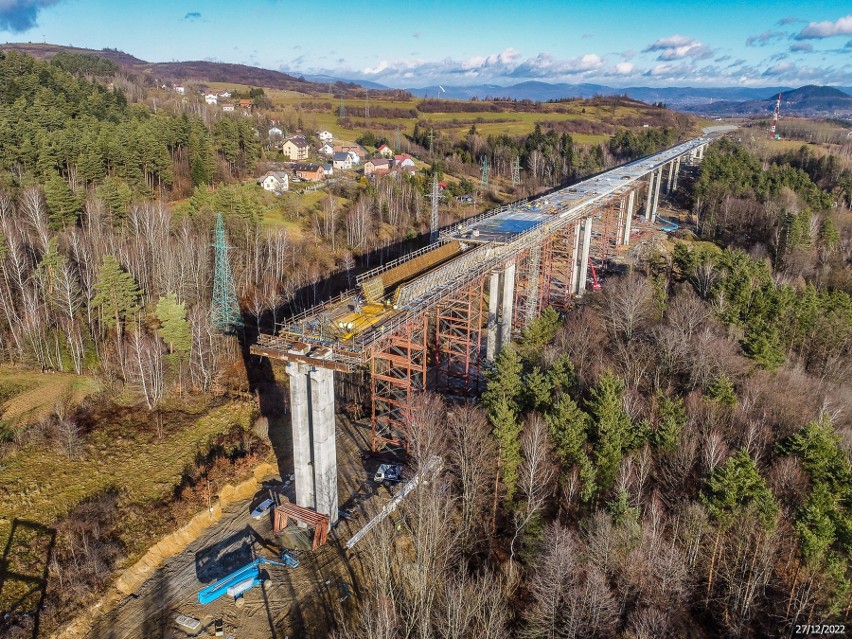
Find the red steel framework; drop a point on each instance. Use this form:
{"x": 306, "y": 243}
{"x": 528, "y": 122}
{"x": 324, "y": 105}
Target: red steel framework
{"x": 605, "y": 233}
{"x": 557, "y": 268}
{"x": 523, "y": 288}
{"x": 398, "y": 366}
{"x": 458, "y": 340}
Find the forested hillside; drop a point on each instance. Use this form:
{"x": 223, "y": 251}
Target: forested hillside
{"x": 669, "y": 459}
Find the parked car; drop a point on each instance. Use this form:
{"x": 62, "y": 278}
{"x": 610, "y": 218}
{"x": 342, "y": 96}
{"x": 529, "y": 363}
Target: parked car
{"x": 262, "y": 508}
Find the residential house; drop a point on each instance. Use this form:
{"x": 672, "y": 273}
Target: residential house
{"x": 275, "y": 132}
{"x": 224, "y": 94}
{"x": 324, "y": 136}
{"x": 404, "y": 161}
{"x": 227, "y": 107}
{"x": 309, "y": 172}
{"x": 328, "y": 169}
{"x": 211, "y": 98}
{"x": 377, "y": 166}
{"x": 296, "y": 148}
{"x": 179, "y": 89}
{"x": 360, "y": 151}
{"x": 385, "y": 151}
{"x": 356, "y": 159}
{"x": 342, "y": 161}
{"x": 245, "y": 104}
{"x": 276, "y": 181}
{"x": 326, "y": 149}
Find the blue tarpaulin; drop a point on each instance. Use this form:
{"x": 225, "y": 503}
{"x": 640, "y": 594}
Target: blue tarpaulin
{"x": 516, "y": 226}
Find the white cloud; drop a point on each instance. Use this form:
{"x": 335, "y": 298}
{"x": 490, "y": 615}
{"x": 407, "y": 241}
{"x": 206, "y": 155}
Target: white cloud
{"x": 826, "y": 29}
{"x": 624, "y": 68}
{"x": 767, "y": 37}
{"x": 802, "y": 47}
{"x": 678, "y": 47}
{"x": 381, "y": 66}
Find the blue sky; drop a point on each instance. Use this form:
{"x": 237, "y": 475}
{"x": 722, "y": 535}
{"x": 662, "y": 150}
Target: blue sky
{"x": 406, "y": 44}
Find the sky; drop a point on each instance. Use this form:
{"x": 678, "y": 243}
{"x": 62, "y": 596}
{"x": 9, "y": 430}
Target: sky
{"x": 461, "y": 42}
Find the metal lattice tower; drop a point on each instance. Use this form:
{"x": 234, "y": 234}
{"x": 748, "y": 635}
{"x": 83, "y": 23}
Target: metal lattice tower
{"x": 431, "y": 140}
{"x": 516, "y": 171}
{"x": 433, "y": 230}
{"x": 225, "y": 311}
{"x": 341, "y": 113}
{"x": 483, "y": 183}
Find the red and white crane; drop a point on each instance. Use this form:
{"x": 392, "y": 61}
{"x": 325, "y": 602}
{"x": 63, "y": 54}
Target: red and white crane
{"x": 772, "y": 134}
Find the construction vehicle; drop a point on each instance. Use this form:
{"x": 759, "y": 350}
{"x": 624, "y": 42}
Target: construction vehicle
{"x": 388, "y": 474}
{"x": 237, "y": 583}
{"x": 289, "y": 558}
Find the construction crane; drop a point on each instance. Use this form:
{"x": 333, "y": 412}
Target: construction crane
{"x": 772, "y": 133}
{"x": 237, "y": 583}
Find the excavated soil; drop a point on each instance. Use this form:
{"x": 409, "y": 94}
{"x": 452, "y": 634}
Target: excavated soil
{"x": 300, "y": 602}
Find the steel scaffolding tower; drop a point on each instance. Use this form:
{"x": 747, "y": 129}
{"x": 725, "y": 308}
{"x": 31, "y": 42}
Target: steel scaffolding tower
{"x": 397, "y": 373}
{"x": 516, "y": 171}
{"x": 458, "y": 339}
{"x": 433, "y": 229}
{"x": 225, "y": 311}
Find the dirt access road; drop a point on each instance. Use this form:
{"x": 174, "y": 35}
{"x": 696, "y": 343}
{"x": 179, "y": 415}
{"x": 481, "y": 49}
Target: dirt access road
{"x": 301, "y": 602}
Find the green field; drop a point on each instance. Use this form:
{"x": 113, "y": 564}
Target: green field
{"x": 581, "y": 113}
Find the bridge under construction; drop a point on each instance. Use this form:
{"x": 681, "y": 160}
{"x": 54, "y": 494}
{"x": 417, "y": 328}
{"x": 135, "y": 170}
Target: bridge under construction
{"x": 431, "y": 319}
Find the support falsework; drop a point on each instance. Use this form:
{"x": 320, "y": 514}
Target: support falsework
{"x": 398, "y": 366}
{"x": 458, "y": 340}
{"x": 312, "y": 419}
{"x": 558, "y": 268}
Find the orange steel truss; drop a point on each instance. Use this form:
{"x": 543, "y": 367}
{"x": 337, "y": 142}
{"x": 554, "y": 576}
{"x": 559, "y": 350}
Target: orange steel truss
{"x": 398, "y": 367}
{"x": 318, "y": 521}
{"x": 459, "y": 320}
{"x": 523, "y": 288}
{"x": 606, "y": 231}
{"x": 557, "y": 268}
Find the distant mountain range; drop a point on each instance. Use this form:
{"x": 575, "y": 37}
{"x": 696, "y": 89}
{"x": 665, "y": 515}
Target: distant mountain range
{"x": 811, "y": 100}
{"x": 694, "y": 99}
{"x": 723, "y": 101}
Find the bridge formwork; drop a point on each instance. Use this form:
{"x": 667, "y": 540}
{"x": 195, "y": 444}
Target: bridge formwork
{"x": 433, "y": 319}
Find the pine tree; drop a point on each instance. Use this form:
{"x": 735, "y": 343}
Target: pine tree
{"x": 63, "y": 205}
{"x": 116, "y": 294}
{"x": 504, "y": 380}
{"x": 722, "y": 390}
{"x": 174, "y": 328}
{"x": 507, "y": 432}
{"x": 538, "y": 389}
{"x": 736, "y": 488}
{"x": 612, "y": 428}
{"x": 671, "y": 418}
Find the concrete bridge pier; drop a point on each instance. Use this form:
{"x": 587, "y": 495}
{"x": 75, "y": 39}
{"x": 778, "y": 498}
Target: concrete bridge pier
{"x": 312, "y": 419}
{"x": 649, "y": 203}
{"x": 507, "y": 310}
{"x": 657, "y": 196}
{"x": 676, "y": 172}
{"x": 581, "y": 252}
{"x": 628, "y": 218}
{"x": 671, "y": 166}
{"x": 501, "y": 299}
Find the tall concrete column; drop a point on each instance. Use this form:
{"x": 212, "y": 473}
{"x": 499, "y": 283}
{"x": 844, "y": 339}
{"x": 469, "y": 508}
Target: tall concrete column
{"x": 300, "y": 419}
{"x": 323, "y": 435}
{"x": 584, "y": 256}
{"x": 575, "y": 259}
{"x": 619, "y": 226}
{"x": 493, "y": 308}
{"x": 505, "y": 332}
{"x": 657, "y": 196}
{"x": 671, "y": 176}
{"x": 677, "y": 171}
{"x": 650, "y": 202}
{"x": 628, "y": 217}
